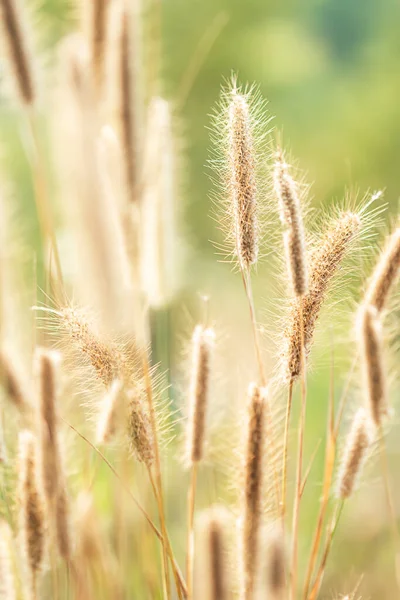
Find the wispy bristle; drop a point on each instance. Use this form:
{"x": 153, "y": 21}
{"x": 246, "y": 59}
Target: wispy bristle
{"x": 324, "y": 262}
{"x": 385, "y": 274}
{"x": 215, "y": 556}
{"x": 11, "y": 383}
{"x": 31, "y": 509}
{"x": 358, "y": 443}
{"x": 242, "y": 180}
{"x": 139, "y": 428}
{"x": 276, "y": 567}
{"x": 7, "y": 580}
{"x": 291, "y": 217}
{"x": 202, "y": 343}
{"x": 19, "y": 56}
{"x": 371, "y": 348}
{"x": 252, "y": 492}
{"x": 47, "y": 365}
{"x": 110, "y": 412}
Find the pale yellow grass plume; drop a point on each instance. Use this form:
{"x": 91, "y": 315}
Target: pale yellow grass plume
{"x": 140, "y": 434}
{"x": 20, "y": 56}
{"x": 324, "y": 261}
{"x": 251, "y": 513}
{"x": 157, "y": 229}
{"x": 101, "y": 274}
{"x": 11, "y": 383}
{"x": 242, "y": 184}
{"x": 110, "y": 413}
{"x": 288, "y": 196}
{"x": 7, "y": 579}
{"x": 385, "y": 274}
{"x": 276, "y": 566}
{"x": 355, "y": 453}
{"x": 202, "y": 344}
{"x": 47, "y": 385}
{"x": 218, "y": 581}
{"x": 32, "y": 528}
{"x": 373, "y": 364}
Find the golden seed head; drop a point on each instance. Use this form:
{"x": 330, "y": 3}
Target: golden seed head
{"x": 371, "y": 349}
{"x": 32, "y": 522}
{"x": 63, "y": 524}
{"x": 215, "y": 555}
{"x": 252, "y": 491}
{"x": 276, "y": 565}
{"x": 11, "y": 383}
{"x": 324, "y": 262}
{"x": 46, "y": 374}
{"x": 139, "y": 428}
{"x": 358, "y": 443}
{"x": 202, "y": 344}
{"x": 242, "y": 180}
{"x": 19, "y": 56}
{"x": 385, "y": 274}
{"x": 98, "y": 40}
{"x": 291, "y": 217}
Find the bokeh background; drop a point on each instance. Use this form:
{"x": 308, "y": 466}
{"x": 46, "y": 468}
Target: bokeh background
{"x": 330, "y": 72}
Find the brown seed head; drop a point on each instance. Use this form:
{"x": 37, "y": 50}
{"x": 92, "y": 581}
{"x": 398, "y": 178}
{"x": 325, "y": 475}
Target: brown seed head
{"x": 99, "y": 22}
{"x": 47, "y": 363}
{"x": 371, "y": 349}
{"x": 215, "y": 558}
{"x": 294, "y": 239}
{"x": 11, "y": 383}
{"x": 385, "y": 274}
{"x": 139, "y": 428}
{"x": 358, "y": 443}
{"x": 252, "y": 494}
{"x": 19, "y": 56}
{"x": 62, "y": 523}
{"x": 324, "y": 262}
{"x": 202, "y": 344}
{"x": 276, "y": 566}
{"x": 31, "y": 507}
{"x": 242, "y": 180}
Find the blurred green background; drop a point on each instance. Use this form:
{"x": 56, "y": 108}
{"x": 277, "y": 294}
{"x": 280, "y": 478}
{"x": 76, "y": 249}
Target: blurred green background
{"x": 330, "y": 72}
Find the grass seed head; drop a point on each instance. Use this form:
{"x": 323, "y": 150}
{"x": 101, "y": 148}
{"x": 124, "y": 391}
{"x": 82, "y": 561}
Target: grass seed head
{"x": 215, "y": 555}
{"x": 371, "y": 349}
{"x": 20, "y": 57}
{"x": 385, "y": 274}
{"x": 252, "y": 493}
{"x": 32, "y": 521}
{"x": 139, "y": 427}
{"x": 291, "y": 217}
{"x": 355, "y": 453}
{"x": 202, "y": 343}
{"x": 324, "y": 261}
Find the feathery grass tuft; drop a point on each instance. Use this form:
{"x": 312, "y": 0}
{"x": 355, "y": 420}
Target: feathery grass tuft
{"x": 357, "y": 446}
{"x": 385, "y": 274}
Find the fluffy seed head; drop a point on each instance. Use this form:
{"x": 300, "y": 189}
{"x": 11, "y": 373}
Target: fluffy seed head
{"x": 62, "y": 523}
{"x": 110, "y": 412}
{"x": 385, "y": 274}
{"x": 202, "y": 343}
{"x": 371, "y": 350}
{"x": 19, "y": 56}
{"x": 242, "y": 180}
{"x": 358, "y": 443}
{"x": 252, "y": 492}
{"x": 215, "y": 559}
{"x": 276, "y": 566}
{"x": 31, "y": 508}
{"x": 11, "y": 383}
{"x": 46, "y": 366}
{"x": 98, "y": 35}
{"x": 324, "y": 261}
{"x": 294, "y": 239}
{"x": 139, "y": 428}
